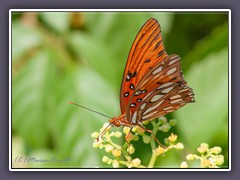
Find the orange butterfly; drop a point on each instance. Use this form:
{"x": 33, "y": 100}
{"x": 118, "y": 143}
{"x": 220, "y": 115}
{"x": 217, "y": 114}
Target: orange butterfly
{"x": 152, "y": 84}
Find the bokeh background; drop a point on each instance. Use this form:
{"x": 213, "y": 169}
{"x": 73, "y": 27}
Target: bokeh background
{"x": 65, "y": 56}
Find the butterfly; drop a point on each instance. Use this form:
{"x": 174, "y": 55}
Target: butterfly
{"x": 153, "y": 84}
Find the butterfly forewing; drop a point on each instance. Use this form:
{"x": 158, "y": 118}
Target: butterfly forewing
{"x": 162, "y": 90}
{"x": 147, "y": 50}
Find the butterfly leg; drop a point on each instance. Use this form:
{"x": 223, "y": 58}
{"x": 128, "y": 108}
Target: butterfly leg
{"x": 128, "y": 135}
{"x": 152, "y": 135}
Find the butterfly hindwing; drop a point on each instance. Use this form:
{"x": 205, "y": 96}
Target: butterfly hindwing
{"x": 164, "y": 101}
{"x": 161, "y": 91}
{"x": 146, "y": 51}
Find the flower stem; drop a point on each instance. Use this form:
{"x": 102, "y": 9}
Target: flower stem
{"x": 152, "y": 160}
{"x": 153, "y": 145}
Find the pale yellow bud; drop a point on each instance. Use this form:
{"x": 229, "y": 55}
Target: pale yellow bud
{"x": 104, "y": 126}
{"x": 206, "y": 163}
{"x": 190, "y": 157}
{"x": 160, "y": 150}
{"x": 126, "y": 130}
{"x": 95, "y": 144}
{"x": 146, "y": 139}
{"x": 105, "y": 159}
{"x": 109, "y": 161}
{"x": 203, "y": 148}
{"x": 179, "y": 146}
{"x": 117, "y": 134}
{"x": 112, "y": 134}
{"x": 115, "y": 164}
{"x": 172, "y": 137}
{"x": 130, "y": 149}
{"x": 216, "y": 150}
{"x": 116, "y": 152}
{"x": 136, "y": 162}
{"x": 134, "y": 129}
{"x": 184, "y": 165}
{"x": 108, "y": 148}
{"x": 101, "y": 146}
{"x": 219, "y": 160}
{"x": 94, "y": 135}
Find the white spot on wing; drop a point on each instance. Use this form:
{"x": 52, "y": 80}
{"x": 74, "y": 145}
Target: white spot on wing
{"x": 128, "y": 77}
{"x": 183, "y": 90}
{"x": 156, "y": 97}
{"x": 153, "y": 107}
{"x": 171, "y": 71}
{"x": 167, "y": 90}
{"x": 132, "y": 105}
{"x": 159, "y": 69}
{"x": 149, "y": 115}
{"x": 146, "y": 96}
{"x": 165, "y": 85}
{"x": 134, "y": 117}
{"x": 175, "y": 97}
{"x": 143, "y": 106}
{"x": 137, "y": 92}
{"x": 167, "y": 108}
{"x": 173, "y": 61}
{"x": 175, "y": 101}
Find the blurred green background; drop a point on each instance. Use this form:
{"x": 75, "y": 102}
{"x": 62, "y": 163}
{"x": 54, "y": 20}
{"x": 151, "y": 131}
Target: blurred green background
{"x": 59, "y": 57}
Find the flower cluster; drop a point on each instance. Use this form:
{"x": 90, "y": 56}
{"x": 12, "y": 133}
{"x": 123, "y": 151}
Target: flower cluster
{"x": 121, "y": 155}
{"x": 209, "y": 157}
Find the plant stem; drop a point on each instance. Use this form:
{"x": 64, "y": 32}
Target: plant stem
{"x": 125, "y": 153}
{"x": 152, "y": 160}
{"x": 153, "y": 145}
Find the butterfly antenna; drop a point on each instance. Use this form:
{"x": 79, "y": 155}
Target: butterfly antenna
{"x": 89, "y": 109}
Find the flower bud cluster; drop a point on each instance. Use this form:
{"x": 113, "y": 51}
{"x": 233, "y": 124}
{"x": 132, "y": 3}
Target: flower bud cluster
{"x": 209, "y": 157}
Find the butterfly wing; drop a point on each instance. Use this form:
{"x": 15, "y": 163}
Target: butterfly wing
{"x": 162, "y": 90}
{"x": 146, "y": 51}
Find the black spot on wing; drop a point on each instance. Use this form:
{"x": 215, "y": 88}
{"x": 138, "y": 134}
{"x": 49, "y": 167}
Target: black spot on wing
{"x": 157, "y": 45}
{"x": 131, "y": 86}
{"x": 126, "y": 94}
{"x": 134, "y": 74}
{"x": 147, "y": 61}
{"x": 132, "y": 105}
{"x": 160, "y": 53}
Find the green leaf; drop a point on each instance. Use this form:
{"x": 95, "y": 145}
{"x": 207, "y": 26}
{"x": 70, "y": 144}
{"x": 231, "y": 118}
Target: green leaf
{"x": 107, "y": 45}
{"x": 73, "y": 126}
{"x": 32, "y": 98}
{"x": 215, "y": 41}
{"x": 117, "y": 31}
{"x": 58, "y": 21}
{"x": 24, "y": 38}
{"x": 200, "y": 121}
{"x": 96, "y": 55}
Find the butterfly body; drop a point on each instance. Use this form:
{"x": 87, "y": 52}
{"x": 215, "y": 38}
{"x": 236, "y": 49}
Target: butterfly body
{"x": 153, "y": 84}
{"x": 119, "y": 120}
